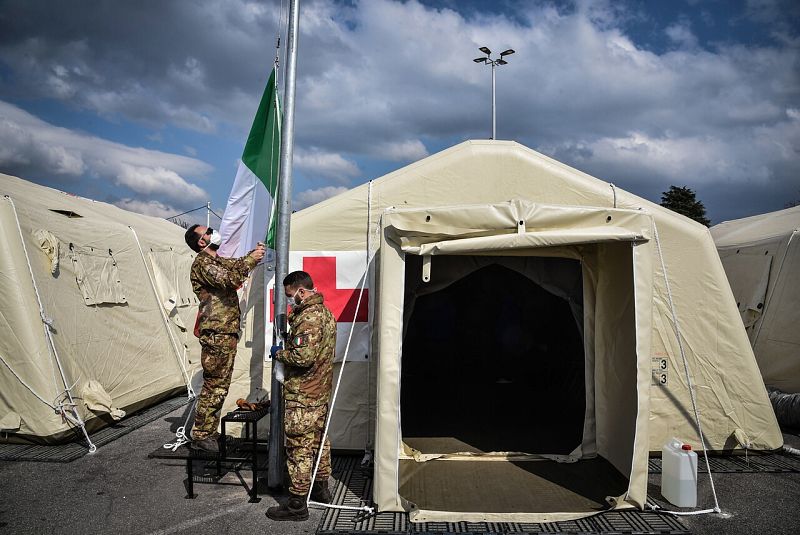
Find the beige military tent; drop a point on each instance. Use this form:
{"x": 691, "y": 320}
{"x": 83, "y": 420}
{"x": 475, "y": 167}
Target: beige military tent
{"x": 761, "y": 256}
{"x": 96, "y": 313}
{"x": 529, "y": 333}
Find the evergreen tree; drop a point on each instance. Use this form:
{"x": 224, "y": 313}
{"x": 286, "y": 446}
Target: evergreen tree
{"x": 683, "y": 201}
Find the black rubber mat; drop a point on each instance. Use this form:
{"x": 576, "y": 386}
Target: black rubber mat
{"x": 64, "y": 453}
{"x": 750, "y": 463}
{"x": 354, "y": 488}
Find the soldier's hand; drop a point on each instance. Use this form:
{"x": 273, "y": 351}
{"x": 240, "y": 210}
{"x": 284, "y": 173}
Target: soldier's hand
{"x": 258, "y": 252}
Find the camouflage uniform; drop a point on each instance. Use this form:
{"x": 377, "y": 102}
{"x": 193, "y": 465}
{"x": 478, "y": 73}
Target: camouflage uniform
{"x": 307, "y": 390}
{"x": 215, "y": 280}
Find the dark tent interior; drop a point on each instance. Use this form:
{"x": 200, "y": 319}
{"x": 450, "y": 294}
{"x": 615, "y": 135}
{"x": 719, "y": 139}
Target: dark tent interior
{"x": 492, "y": 362}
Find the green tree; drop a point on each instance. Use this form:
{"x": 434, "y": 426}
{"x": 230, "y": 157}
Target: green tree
{"x": 684, "y": 201}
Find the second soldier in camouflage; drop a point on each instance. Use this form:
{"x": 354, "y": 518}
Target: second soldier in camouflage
{"x": 308, "y": 358}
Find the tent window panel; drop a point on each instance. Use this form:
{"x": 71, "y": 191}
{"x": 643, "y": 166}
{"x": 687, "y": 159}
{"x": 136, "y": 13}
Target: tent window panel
{"x": 748, "y": 273}
{"x": 492, "y": 362}
{"x": 171, "y": 274}
{"x": 97, "y": 276}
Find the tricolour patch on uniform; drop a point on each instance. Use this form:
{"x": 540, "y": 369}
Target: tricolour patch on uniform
{"x": 300, "y": 340}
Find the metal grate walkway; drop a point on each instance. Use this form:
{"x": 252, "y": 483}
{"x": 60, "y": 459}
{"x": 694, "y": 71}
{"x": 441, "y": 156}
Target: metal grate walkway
{"x": 64, "y": 453}
{"x": 354, "y": 488}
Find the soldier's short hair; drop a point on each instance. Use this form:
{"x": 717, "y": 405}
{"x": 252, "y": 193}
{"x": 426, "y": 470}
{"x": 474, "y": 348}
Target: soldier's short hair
{"x": 191, "y": 238}
{"x": 299, "y": 279}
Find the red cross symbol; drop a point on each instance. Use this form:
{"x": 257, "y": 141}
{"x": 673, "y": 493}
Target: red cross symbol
{"x": 341, "y": 301}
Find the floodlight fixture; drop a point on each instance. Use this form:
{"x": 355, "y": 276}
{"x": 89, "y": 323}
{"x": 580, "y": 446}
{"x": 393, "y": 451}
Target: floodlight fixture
{"x": 493, "y": 62}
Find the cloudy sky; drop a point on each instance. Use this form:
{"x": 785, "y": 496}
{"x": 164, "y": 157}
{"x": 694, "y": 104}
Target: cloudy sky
{"x": 147, "y": 104}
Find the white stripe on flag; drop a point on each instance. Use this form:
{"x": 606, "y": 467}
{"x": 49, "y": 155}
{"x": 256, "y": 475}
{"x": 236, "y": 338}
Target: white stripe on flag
{"x": 246, "y": 217}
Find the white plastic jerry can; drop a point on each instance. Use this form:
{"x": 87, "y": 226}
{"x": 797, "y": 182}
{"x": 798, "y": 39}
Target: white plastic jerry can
{"x": 679, "y": 473}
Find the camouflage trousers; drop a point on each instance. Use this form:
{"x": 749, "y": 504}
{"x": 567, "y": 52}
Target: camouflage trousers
{"x": 217, "y": 356}
{"x": 304, "y": 427}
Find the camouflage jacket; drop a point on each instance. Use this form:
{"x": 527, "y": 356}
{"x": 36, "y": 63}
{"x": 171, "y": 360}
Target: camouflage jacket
{"x": 215, "y": 280}
{"x": 309, "y": 353}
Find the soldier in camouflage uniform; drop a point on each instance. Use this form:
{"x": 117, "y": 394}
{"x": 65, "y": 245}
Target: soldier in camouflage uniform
{"x": 308, "y": 358}
{"x": 215, "y": 280}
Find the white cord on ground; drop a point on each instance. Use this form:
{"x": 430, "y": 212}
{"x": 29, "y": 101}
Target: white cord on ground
{"x": 59, "y": 407}
{"x": 370, "y": 510}
{"x": 47, "y": 324}
{"x": 189, "y": 391}
{"x": 365, "y": 508}
{"x": 181, "y": 437}
{"x": 790, "y": 450}
{"x": 658, "y": 509}
{"x": 716, "y": 508}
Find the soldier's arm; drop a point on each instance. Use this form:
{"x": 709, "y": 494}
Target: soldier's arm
{"x": 245, "y": 265}
{"x": 301, "y": 348}
{"x": 225, "y": 277}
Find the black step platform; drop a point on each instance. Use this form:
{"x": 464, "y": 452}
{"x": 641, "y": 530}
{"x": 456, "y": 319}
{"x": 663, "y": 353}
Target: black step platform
{"x": 234, "y": 452}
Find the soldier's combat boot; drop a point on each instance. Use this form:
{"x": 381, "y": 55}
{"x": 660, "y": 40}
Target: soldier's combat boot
{"x": 208, "y": 445}
{"x": 294, "y": 509}
{"x": 320, "y": 492}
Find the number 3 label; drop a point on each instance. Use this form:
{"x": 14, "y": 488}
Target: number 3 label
{"x": 660, "y": 372}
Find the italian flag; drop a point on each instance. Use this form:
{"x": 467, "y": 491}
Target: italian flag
{"x": 251, "y": 213}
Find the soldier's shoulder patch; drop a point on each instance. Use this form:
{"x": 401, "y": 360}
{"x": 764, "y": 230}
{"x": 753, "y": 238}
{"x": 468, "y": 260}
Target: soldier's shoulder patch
{"x": 300, "y": 340}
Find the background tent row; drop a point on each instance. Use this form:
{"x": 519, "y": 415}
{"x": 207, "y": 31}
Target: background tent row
{"x": 761, "y": 256}
{"x": 96, "y": 313}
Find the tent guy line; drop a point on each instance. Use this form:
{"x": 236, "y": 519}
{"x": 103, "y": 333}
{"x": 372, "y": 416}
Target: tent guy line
{"x": 716, "y": 508}
{"x": 63, "y": 407}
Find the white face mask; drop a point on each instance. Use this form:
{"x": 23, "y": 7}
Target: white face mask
{"x": 215, "y": 238}
{"x": 293, "y": 301}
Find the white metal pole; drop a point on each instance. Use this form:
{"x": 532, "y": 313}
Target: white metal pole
{"x": 494, "y": 124}
{"x": 284, "y": 200}
{"x": 208, "y": 214}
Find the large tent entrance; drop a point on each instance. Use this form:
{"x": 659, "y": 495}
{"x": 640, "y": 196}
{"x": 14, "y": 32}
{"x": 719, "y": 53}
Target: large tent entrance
{"x": 493, "y": 361}
{"x": 513, "y": 342}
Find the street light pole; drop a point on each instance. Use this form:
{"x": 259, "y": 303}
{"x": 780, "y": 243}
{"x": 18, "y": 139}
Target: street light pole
{"x": 487, "y": 60}
{"x": 494, "y": 113}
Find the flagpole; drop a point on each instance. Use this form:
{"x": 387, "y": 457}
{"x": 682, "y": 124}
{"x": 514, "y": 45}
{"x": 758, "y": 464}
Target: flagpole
{"x": 284, "y": 200}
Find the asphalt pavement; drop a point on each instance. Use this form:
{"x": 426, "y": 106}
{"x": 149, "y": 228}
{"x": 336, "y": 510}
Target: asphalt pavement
{"x": 120, "y": 490}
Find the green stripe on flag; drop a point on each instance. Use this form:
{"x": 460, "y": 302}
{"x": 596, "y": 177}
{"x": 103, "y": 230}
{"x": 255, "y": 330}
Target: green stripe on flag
{"x": 262, "y": 151}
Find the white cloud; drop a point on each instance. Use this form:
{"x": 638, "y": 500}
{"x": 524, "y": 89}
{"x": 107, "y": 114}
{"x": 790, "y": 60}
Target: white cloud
{"x": 31, "y": 144}
{"x": 325, "y": 165}
{"x": 152, "y": 208}
{"x": 681, "y": 34}
{"x": 401, "y": 151}
{"x": 309, "y": 197}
